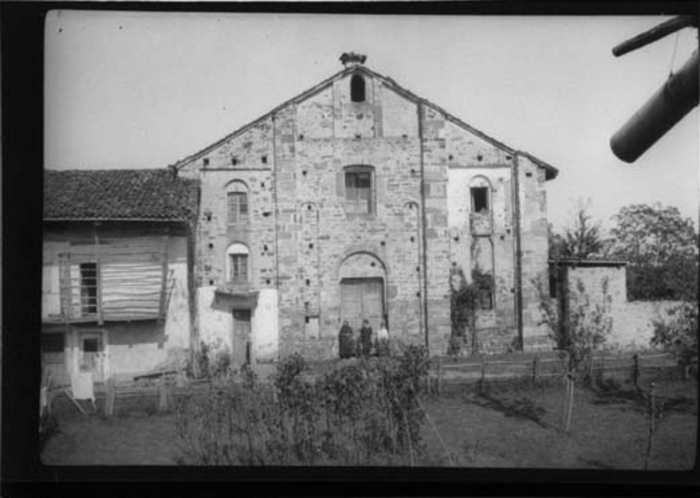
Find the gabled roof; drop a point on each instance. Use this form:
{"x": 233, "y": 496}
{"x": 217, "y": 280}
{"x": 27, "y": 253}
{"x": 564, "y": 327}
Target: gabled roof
{"x": 551, "y": 171}
{"x": 119, "y": 194}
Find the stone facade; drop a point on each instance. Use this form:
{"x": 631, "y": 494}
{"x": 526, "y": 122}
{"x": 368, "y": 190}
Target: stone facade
{"x": 309, "y": 239}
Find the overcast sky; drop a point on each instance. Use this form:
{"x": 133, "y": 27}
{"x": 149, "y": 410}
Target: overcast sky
{"x": 135, "y": 90}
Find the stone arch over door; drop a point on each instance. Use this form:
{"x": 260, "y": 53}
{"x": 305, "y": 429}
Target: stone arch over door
{"x": 362, "y": 278}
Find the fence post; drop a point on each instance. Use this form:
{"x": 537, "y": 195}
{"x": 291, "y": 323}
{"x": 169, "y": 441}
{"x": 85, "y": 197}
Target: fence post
{"x": 439, "y": 376}
{"x": 109, "y": 402}
{"x": 536, "y": 369}
{"x": 635, "y": 372}
{"x": 162, "y": 395}
{"x": 483, "y": 371}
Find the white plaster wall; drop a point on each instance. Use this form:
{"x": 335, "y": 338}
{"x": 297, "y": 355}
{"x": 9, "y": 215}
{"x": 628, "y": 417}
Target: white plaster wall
{"x": 632, "y": 327}
{"x": 215, "y": 325}
{"x": 265, "y": 330}
{"x": 177, "y": 322}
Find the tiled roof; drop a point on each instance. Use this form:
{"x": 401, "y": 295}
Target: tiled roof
{"x": 119, "y": 194}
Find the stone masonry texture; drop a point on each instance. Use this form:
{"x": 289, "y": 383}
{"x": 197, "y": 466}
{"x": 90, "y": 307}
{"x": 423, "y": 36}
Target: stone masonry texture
{"x": 304, "y": 237}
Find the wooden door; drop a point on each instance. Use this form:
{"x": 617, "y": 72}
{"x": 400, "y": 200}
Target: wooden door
{"x": 362, "y": 298}
{"x": 92, "y": 355}
{"x": 241, "y": 338}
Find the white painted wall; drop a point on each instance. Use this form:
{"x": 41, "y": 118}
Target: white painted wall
{"x": 177, "y": 320}
{"x": 215, "y": 325}
{"x": 265, "y": 329}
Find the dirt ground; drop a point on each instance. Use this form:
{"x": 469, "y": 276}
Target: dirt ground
{"x": 509, "y": 427}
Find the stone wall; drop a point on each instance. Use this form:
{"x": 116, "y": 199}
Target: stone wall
{"x": 632, "y": 327}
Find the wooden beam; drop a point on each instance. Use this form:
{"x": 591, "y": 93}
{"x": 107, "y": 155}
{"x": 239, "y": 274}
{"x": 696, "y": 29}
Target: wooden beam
{"x": 164, "y": 282}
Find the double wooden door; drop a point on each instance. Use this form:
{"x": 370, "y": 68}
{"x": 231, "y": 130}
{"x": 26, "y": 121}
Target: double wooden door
{"x": 362, "y": 299}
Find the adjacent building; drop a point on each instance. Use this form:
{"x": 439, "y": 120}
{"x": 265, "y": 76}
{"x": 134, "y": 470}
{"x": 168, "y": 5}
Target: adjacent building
{"x": 117, "y": 271}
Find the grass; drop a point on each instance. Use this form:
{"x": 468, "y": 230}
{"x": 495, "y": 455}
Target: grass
{"x": 502, "y": 427}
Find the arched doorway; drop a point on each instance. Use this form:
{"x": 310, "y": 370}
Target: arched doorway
{"x": 362, "y": 290}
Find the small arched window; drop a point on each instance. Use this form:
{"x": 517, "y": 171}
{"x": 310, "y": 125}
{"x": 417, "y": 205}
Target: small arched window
{"x": 237, "y": 202}
{"x": 237, "y": 266}
{"x": 357, "y": 88}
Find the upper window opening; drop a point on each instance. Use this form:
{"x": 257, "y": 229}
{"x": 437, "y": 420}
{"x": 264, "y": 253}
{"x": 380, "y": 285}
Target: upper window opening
{"x": 480, "y": 199}
{"x": 237, "y": 207}
{"x": 357, "y": 88}
{"x": 237, "y": 202}
{"x": 88, "y": 288}
{"x": 359, "y": 189}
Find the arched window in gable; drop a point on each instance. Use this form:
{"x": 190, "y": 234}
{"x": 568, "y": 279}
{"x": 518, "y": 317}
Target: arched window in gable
{"x": 237, "y": 202}
{"x": 357, "y": 88}
{"x": 237, "y": 267}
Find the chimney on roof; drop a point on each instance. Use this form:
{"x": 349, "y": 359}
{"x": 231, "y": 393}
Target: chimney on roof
{"x": 352, "y": 59}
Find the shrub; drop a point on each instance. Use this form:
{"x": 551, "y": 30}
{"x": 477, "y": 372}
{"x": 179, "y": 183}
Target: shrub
{"x": 361, "y": 413}
{"x": 677, "y": 333}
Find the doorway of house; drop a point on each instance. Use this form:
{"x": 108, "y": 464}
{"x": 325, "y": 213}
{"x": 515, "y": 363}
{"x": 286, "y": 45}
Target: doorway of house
{"x": 362, "y": 299}
{"x": 92, "y": 355}
{"x": 240, "y": 342}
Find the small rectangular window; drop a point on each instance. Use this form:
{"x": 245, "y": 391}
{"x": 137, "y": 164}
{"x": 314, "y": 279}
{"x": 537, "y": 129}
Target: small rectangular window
{"x": 239, "y": 268}
{"x": 480, "y": 199}
{"x": 237, "y": 207}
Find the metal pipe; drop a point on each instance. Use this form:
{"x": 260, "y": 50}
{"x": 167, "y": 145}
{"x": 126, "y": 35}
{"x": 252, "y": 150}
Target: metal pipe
{"x": 655, "y": 33}
{"x": 424, "y": 241}
{"x": 666, "y": 107}
{"x": 518, "y": 252}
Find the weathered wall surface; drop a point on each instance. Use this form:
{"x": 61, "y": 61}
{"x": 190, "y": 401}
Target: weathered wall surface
{"x": 534, "y": 247}
{"x": 632, "y": 321}
{"x": 130, "y": 347}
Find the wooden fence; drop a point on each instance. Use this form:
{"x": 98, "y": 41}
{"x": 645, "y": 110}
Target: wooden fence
{"x": 635, "y": 367}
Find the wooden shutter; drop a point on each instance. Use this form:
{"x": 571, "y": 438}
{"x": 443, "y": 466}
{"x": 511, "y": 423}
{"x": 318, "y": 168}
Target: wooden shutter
{"x": 351, "y": 302}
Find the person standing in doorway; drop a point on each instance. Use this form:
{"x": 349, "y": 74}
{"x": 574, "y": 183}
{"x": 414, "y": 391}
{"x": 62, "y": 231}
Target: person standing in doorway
{"x": 382, "y": 347}
{"x": 366, "y": 338}
{"x": 346, "y": 341}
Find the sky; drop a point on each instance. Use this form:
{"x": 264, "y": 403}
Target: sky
{"x": 143, "y": 90}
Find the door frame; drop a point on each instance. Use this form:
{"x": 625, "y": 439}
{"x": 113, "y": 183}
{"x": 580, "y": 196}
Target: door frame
{"x": 249, "y": 343}
{"x": 102, "y": 334}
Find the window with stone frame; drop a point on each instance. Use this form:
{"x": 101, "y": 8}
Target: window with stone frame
{"x": 359, "y": 189}
{"x": 237, "y": 207}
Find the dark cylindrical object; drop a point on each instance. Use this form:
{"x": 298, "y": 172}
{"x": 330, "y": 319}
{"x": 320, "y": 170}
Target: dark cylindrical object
{"x": 676, "y": 98}
{"x": 655, "y": 33}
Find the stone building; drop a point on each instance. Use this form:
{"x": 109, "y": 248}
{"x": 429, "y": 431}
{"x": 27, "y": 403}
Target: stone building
{"x": 358, "y": 199}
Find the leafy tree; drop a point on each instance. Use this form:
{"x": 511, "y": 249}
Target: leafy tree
{"x": 582, "y": 240}
{"x": 586, "y": 326}
{"x": 661, "y": 249}
{"x": 677, "y": 332}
